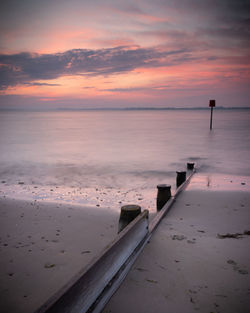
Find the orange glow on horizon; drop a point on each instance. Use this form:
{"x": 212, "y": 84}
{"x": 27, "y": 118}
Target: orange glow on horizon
{"x": 140, "y": 83}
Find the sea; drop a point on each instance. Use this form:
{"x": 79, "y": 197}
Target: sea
{"x": 108, "y": 158}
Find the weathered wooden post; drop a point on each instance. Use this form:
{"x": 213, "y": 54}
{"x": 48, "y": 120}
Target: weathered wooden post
{"x": 212, "y": 105}
{"x": 190, "y": 166}
{"x": 180, "y": 178}
{"x": 127, "y": 215}
{"x": 163, "y": 195}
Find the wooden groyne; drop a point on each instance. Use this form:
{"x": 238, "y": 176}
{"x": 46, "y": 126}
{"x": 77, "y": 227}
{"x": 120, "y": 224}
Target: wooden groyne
{"x": 94, "y": 285}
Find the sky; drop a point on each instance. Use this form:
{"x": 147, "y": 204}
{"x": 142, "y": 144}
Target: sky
{"x": 130, "y": 53}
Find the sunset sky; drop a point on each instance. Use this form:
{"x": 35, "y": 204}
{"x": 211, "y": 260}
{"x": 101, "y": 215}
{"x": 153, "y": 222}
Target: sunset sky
{"x": 114, "y": 53}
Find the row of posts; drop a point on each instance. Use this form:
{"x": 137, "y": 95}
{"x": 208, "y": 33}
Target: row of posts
{"x": 129, "y": 212}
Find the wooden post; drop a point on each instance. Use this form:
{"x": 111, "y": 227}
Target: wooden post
{"x": 211, "y": 118}
{"x": 180, "y": 178}
{"x": 212, "y": 105}
{"x": 190, "y": 166}
{"x": 163, "y": 195}
{"x": 127, "y": 215}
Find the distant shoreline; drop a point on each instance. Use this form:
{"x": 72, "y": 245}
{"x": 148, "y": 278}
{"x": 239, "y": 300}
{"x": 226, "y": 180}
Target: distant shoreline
{"x": 125, "y": 109}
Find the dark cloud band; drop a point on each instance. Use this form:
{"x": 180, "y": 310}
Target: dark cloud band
{"x": 26, "y": 68}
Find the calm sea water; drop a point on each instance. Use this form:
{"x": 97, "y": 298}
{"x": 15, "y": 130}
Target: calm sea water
{"x": 125, "y": 150}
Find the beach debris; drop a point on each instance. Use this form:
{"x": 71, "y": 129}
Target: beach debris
{"x": 85, "y": 252}
{"x": 244, "y": 272}
{"x": 178, "y": 237}
{"x": 231, "y": 262}
{"x": 152, "y": 281}
{"x": 191, "y": 241}
{"x": 234, "y": 235}
{"x": 201, "y": 231}
{"x": 141, "y": 269}
{"x": 162, "y": 267}
{"x": 49, "y": 265}
{"x": 21, "y": 183}
{"x": 3, "y": 181}
{"x": 236, "y": 267}
{"x": 222, "y": 296}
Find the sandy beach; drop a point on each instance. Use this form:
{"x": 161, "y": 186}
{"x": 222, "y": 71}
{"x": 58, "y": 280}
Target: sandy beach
{"x": 198, "y": 259}
{"x": 42, "y": 245}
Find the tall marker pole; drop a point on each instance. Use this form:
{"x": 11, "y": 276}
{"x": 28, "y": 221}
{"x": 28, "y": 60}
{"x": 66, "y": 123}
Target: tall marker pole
{"x": 212, "y": 105}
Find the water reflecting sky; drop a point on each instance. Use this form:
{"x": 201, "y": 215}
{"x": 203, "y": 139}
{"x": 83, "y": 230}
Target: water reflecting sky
{"x": 120, "y": 148}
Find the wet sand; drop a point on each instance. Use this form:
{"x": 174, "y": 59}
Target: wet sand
{"x": 198, "y": 260}
{"x": 106, "y": 197}
{"x": 42, "y": 245}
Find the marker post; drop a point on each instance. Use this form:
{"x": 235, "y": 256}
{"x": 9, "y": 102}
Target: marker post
{"x": 212, "y": 105}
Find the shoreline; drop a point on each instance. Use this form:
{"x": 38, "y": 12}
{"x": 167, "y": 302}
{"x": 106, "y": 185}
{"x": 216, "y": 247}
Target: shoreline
{"x": 114, "y": 197}
{"x": 108, "y": 197}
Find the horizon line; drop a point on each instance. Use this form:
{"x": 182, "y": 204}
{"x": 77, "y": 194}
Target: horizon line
{"x": 125, "y": 109}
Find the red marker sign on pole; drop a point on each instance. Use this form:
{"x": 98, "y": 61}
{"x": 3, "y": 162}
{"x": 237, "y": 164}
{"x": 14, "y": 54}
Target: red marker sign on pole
{"x": 212, "y": 105}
